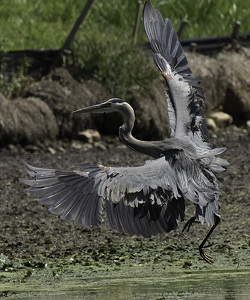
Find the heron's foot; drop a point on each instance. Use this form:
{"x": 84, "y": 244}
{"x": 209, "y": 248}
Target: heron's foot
{"x": 205, "y": 256}
{"x": 189, "y": 223}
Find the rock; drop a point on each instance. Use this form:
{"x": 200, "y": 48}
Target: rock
{"x": 99, "y": 145}
{"x": 234, "y": 84}
{"x": 47, "y": 107}
{"x": 64, "y": 94}
{"x": 221, "y": 119}
{"x": 206, "y": 69}
{"x": 31, "y": 148}
{"x": 77, "y": 145}
{"x": 28, "y": 120}
{"x": 226, "y": 81}
{"x": 248, "y": 125}
{"x": 51, "y": 150}
{"x": 211, "y": 124}
{"x": 89, "y": 136}
{"x": 151, "y": 113}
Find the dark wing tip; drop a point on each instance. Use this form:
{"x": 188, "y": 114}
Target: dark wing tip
{"x": 70, "y": 194}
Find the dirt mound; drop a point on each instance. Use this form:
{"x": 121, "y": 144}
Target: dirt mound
{"x": 234, "y": 84}
{"x": 226, "y": 81}
{"x": 26, "y": 121}
{"x": 151, "y": 113}
{"x": 47, "y": 108}
{"x": 63, "y": 94}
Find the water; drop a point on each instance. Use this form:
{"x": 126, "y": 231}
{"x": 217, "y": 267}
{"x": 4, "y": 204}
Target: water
{"x": 218, "y": 284}
{"x": 198, "y": 285}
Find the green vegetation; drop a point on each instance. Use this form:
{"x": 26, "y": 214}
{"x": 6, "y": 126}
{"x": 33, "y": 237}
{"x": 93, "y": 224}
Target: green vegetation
{"x": 103, "y": 45}
{"x": 34, "y": 24}
{"x": 11, "y": 85}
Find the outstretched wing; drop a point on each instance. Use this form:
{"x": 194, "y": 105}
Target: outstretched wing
{"x": 185, "y": 97}
{"x": 145, "y": 200}
{"x": 70, "y": 194}
{"x": 134, "y": 200}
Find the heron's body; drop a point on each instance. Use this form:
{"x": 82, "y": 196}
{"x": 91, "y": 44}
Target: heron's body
{"x": 149, "y": 199}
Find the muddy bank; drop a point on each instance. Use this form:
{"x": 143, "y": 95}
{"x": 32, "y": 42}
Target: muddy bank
{"x": 30, "y": 233}
{"x": 44, "y": 108}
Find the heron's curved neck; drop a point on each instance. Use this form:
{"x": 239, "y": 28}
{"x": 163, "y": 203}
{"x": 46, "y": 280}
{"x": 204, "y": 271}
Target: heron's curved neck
{"x": 125, "y": 133}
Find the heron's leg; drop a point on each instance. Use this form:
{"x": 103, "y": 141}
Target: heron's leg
{"x": 203, "y": 254}
{"x": 189, "y": 223}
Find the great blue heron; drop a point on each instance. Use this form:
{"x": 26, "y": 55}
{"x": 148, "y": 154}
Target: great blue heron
{"x": 149, "y": 199}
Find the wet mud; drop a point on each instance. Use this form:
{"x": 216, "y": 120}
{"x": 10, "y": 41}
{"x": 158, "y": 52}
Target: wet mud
{"x": 44, "y": 257}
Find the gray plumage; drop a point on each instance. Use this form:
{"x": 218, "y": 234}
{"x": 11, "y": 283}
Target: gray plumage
{"x": 149, "y": 199}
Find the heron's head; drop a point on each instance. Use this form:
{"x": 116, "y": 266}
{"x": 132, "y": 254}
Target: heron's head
{"x": 114, "y": 104}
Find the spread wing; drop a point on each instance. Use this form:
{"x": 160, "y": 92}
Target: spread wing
{"x": 145, "y": 200}
{"x": 185, "y": 97}
{"x": 135, "y": 203}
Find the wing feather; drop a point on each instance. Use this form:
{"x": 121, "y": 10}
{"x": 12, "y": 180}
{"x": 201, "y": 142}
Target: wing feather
{"x": 186, "y": 97}
{"x": 54, "y": 196}
{"x": 145, "y": 200}
{"x": 69, "y": 194}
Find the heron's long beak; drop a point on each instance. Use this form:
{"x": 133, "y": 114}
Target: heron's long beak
{"x": 98, "y": 108}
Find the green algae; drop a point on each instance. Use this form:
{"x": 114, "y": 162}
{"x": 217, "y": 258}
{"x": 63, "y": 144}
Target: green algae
{"x": 139, "y": 281}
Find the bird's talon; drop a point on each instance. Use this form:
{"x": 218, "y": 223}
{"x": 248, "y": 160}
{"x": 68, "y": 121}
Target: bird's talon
{"x": 205, "y": 256}
{"x": 188, "y": 224}
{"x": 206, "y": 246}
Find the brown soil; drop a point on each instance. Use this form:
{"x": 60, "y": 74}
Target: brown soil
{"x": 31, "y": 235}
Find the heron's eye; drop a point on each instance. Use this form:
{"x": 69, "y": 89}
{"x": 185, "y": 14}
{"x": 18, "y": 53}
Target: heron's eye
{"x": 117, "y": 101}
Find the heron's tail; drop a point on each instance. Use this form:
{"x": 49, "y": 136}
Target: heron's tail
{"x": 218, "y": 165}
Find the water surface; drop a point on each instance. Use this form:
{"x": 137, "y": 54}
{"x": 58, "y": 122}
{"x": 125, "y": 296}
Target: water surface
{"x": 136, "y": 284}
